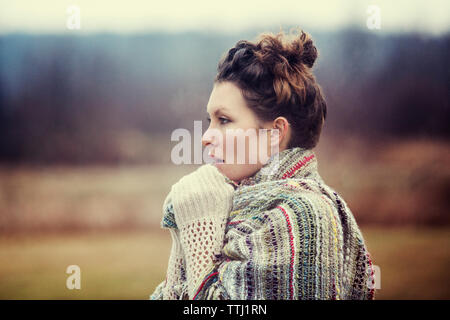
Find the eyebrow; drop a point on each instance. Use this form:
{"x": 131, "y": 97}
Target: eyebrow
{"x": 220, "y": 108}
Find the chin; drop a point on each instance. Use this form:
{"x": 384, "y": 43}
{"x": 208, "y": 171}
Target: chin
{"x": 237, "y": 172}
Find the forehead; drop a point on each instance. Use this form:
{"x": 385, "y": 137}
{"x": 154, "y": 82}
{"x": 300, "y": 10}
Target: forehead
{"x": 227, "y": 97}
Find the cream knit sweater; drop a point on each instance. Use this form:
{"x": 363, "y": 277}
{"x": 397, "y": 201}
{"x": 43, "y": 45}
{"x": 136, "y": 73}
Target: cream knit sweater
{"x": 286, "y": 235}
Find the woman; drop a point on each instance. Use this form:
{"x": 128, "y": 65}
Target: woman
{"x": 270, "y": 228}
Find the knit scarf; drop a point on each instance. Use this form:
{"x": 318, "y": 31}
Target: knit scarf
{"x": 291, "y": 176}
{"x": 290, "y": 163}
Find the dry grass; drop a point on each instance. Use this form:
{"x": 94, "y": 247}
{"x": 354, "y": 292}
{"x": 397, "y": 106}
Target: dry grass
{"x": 413, "y": 262}
{"x": 84, "y": 198}
{"x": 113, "y": 265}
{"x": 123, "y": 265}
{"x": 390, "y": 182}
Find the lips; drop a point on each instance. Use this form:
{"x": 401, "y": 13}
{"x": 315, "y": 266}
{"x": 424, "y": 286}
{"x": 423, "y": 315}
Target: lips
{"x": 216, "y": 160}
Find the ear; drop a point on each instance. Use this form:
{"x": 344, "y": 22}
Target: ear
{"x": 280, "y": 127}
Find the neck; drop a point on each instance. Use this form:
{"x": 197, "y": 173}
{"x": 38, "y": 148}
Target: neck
{"x": 291, "y": 163}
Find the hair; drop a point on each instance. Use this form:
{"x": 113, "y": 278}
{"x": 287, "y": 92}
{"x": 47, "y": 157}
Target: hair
{"x": 275, "y": 78}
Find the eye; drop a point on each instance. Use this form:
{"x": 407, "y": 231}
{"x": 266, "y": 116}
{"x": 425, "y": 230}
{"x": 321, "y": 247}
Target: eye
{"x": 224, "y": 119}
{"x": 221, "y": 119}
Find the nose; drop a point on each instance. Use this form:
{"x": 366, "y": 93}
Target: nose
{"x": 207, "y": 138}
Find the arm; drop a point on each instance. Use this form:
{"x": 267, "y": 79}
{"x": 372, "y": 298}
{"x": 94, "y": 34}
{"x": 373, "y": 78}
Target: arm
{"x": 201, "y": 202}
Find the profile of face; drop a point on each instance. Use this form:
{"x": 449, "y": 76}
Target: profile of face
{"x": 234, "y": 134}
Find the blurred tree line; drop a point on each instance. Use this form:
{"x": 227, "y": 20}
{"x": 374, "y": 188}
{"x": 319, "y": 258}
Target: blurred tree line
{"x": 102, "y": 98}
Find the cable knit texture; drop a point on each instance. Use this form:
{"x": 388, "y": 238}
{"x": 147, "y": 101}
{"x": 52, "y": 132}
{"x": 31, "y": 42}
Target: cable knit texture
{"x": 283, "y": 235}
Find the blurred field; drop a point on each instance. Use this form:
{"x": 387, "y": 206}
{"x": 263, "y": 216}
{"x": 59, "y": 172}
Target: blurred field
{"x": 384, "y": 183}
{"x": 128, "y": 265}
{"x": 106, "y": 220}
{"x": 83, "y": 198}
{"x": 113, "y": 265}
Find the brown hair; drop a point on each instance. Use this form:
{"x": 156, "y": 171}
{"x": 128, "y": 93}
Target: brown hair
{"x": 274, "y": 75}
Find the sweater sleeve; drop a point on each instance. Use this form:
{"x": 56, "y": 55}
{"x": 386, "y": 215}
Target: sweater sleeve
{"x": 202, "y": 202}
{"x": 195, "y": 212}
{"x": 173, "y": 286}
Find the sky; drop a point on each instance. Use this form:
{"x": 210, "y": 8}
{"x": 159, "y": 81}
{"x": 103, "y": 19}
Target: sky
{"x": 51, "y": 16}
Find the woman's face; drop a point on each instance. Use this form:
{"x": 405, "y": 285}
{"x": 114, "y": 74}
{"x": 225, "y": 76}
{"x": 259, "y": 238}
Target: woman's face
{"x": 233, "y": 134}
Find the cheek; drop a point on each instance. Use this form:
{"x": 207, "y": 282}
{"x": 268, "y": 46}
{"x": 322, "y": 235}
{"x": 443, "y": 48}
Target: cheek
{"x": 244, "y": 148}
{"x": 244, "y": 163}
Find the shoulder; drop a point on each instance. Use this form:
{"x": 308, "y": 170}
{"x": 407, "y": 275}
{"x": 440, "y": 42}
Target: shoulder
{"x": 302, "y": 194}
{"x": 298, "y": 200}
{"x": 301, "y": 203}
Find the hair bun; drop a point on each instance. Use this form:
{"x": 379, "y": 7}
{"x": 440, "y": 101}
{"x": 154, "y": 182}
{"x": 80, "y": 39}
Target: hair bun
{"x": 309, "y": 53}
{"x": 297, "y": 48}
{"x": 301, "y": 49}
